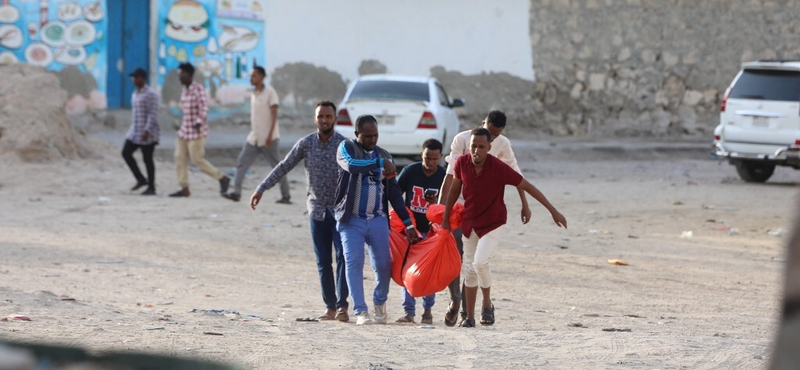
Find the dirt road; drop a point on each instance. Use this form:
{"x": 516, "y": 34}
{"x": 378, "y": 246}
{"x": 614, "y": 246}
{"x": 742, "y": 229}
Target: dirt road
{"x": 701, "y": 290}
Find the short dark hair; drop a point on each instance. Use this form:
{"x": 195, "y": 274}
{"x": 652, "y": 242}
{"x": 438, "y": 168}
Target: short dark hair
{"x": 496, "y": 118}
{"x": 326, "y": 103}
{"x": 432, "y": 144}
{"x": 187, "y": 67}
{"x": 260, "y": 70}
{"x": 481, "y": 131}
{"x": 364, "y": 119}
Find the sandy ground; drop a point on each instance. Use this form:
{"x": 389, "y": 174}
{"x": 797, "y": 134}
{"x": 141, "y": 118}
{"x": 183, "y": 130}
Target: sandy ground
{"x": 137, "y": 266}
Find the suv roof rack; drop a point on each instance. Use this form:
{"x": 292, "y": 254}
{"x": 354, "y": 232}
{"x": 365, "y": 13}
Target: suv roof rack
{"x": 778, "y": 60}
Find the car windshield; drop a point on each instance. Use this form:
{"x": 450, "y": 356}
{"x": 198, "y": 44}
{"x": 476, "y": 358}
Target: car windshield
{"x": 761, "y": 84}
{"x": 400, "y": 90}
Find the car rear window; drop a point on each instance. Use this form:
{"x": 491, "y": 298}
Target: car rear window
{"x": 401, "y": 90}
{"x": 767, "y": 85}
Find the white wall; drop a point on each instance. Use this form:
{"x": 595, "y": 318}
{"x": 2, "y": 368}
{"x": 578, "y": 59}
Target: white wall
{"x": 408, "y": 36}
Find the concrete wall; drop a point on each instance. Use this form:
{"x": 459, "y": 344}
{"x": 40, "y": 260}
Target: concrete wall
{"x": 648, "y": 68}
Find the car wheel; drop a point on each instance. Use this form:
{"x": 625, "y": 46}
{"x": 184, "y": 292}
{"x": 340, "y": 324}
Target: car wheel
{"x": 755, "y": 172}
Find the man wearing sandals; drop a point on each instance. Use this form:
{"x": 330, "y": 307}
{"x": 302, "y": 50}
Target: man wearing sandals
{"x": 420, "y": 182}
{"x": 318, "y": 153}
{"x": 495, "y": 122}
{"x": 483, "y": 178}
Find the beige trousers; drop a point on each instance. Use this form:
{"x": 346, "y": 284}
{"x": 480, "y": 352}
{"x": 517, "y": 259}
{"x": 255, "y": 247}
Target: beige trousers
{"x": 477, "y": 254}
{"x": 196, "y": 151}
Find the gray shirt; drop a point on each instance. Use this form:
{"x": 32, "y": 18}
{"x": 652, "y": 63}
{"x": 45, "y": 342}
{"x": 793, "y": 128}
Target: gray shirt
{"x": 322, "y": 171}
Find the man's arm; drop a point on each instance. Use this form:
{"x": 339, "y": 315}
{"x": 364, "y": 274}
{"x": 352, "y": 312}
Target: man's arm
{"x": 273, "y": 109}
{"x": 457, "y": 148}
{"x": 202, "y": 105}
{"x": 395, "y": 196}
{"x": 152, "y": 112}
{"x": 526, "y": 186}
{"x": 344, "y": 157}
{"x": 452, "y": 197}
{"x": 507, "y": 156}
{"x": 287, "y": 164}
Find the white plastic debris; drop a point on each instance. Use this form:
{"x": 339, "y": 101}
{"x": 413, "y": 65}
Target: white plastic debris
{"x": 687, "y": 235}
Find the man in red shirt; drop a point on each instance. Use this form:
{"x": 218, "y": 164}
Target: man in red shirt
{"x": 484, "y": 178}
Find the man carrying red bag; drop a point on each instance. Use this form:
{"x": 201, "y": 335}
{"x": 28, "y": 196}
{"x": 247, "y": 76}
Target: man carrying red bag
{"x": 483, "y": 178}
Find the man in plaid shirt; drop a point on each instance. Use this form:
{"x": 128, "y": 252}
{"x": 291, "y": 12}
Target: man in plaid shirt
{"x": 144, "y": 132}
{"x": 191, "y": 138}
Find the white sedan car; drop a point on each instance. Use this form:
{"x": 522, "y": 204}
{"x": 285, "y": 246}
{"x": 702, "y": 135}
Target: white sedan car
{"x": 409, "y": 111}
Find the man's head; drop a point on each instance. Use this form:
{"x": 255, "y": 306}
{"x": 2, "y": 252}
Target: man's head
{"x": 325, "y": 116}
{"x": 257, "y": 76}
{"x": 367, "y": 131}
{"x": 495, "y": 122}
{"x": 139, "y": 77}
{"x": 480, "y": 141}
{"x": 431, "y": 154}
{"x": 186, "y": 74}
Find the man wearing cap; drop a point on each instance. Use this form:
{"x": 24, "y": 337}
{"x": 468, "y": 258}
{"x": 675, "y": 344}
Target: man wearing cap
{"x": 143, "y": 133}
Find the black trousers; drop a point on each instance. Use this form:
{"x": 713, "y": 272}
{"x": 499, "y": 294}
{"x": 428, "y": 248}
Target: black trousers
{"x": 147, "y": 154}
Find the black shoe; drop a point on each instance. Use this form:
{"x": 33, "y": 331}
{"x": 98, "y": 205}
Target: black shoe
{"x": 284, "y": 201}
{"x": 224, "y": 182}
{"x": 232, "y": 196}
{"x": 181, "y": 193}
{"x": 149, "y": 191}
{"x": 139, "y": 185}
{"x": 467, "y": 323}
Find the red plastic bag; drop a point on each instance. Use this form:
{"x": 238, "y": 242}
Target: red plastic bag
{"x": 435, "y": 214}
{"x": 398, "y": 245}
{"x": 396, "y": 224}
{"x": 431, "y": 264}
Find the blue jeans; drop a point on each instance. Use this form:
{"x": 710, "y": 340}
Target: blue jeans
{"x": 409, "y": 303}
{"x": 325, "y": 236}
{"x": 375, "y": 233}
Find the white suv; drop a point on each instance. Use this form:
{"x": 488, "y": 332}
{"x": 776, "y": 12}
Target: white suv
{"x": 409, "y": 111}
{"x": 759, "y": 124}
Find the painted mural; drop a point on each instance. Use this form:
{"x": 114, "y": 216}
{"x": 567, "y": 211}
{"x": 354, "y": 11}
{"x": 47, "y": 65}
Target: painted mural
{"x": 65, "y": 36}
{"x": 222, "y": 38}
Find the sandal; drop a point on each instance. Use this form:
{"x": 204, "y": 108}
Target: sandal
{"x": 326, "y": 317}
{"x": 487, "y": 315}
{"x": 468, "y": 323}
{"x": 427, "y": 319}
{"x": 450, "y": 317}
{"x": 407, "y": 319}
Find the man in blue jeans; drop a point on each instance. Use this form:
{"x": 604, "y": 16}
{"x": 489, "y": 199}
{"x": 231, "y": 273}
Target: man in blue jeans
{"x": 318, "y": 151}
{"x": 420, "y": 182}
{"x": 366, "y": 186}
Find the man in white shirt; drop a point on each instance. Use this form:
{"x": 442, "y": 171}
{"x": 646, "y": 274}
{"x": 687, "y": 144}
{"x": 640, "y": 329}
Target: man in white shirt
{"x": 495, "y": 122}
{"x": 264, "y": 135}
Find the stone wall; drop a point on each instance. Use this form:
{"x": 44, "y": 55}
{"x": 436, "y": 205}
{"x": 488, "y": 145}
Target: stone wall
{"x": 648, "y": 67}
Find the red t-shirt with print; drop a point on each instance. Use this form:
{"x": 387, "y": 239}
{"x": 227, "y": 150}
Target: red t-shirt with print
{"x": 484, "y": 209}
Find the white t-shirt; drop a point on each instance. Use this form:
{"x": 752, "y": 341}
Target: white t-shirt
{"x": 501, "y": 148}
{"x": 261, "y": 116}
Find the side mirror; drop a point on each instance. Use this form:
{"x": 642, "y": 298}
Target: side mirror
{"x": 457, "y": 103}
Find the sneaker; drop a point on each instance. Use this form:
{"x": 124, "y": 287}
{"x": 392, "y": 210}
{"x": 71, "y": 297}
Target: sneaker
{"x": 224, "y": 182}
{"x": 181, "y": 193}
{"x": 364, "y": 319}
{"x": 284, "y": 201}
{"x": 232, "y": 196}
{"x": 380, "y": 314}
{"x": 139, "y": 185}
{"x": 149, "y": 191}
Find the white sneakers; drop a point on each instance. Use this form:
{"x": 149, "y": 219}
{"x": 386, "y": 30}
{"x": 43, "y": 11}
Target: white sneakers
{"x": 364, "y": 319}
{"x": 380, "y": 314}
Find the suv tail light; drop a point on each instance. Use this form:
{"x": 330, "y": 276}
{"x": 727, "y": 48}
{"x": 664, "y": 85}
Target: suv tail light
{"x": 344, "y": 118}
{"x": 724, "y": 100}
{"x": 427, "y": 121}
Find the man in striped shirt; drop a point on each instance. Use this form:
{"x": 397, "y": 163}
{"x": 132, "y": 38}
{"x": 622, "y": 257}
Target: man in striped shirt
{"x": 191, "y": 138}
{"x": 366, "y": 186}
{"x": 143, "y": 133}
